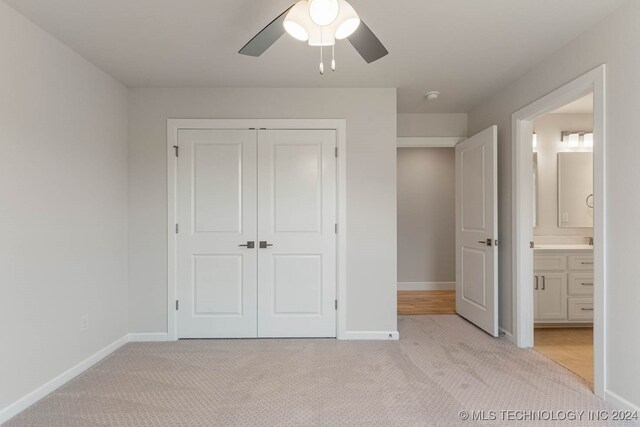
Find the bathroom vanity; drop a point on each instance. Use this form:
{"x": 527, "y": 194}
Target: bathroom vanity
{"x": 563, "y": 284}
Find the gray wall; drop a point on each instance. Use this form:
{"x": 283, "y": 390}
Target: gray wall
{"x": 450, "y": 124}
{"x": 426, "y": 201}
{"x": 613, "y": 42}
{"x": 63, "y": 214}
{"x": 371, "y": 188}
{"x": 426, "y": 215}
{"x": 549, "y": 130}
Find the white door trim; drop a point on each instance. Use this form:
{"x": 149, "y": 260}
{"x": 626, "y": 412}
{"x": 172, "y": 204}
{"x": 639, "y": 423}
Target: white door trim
{"x": 174, "y": 125}
{"x": 429, "y": 141}
{"x": 522, "y": 221}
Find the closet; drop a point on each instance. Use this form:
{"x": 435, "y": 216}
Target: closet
{"x": 256, "y": 242}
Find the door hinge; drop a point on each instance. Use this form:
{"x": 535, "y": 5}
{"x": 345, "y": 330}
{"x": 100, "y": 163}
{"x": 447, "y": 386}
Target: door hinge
{"x": 175, "y": 147}
{"x": 336, "y": 228}
{"x": 336, "y": 151}
{"x": 177, "y": 304}
{"x": 336, "y": 304}
{"x": 177, "y": 228}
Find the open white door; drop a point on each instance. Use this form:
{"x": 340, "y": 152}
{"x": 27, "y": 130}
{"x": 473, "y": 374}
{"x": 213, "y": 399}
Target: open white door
{"x": 477, "y": 229}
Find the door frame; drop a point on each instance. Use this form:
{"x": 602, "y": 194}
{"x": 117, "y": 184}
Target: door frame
{"x": 522, "y": 215}
{"x": 339, "y": 125}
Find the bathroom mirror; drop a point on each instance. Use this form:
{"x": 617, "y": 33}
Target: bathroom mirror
{"x": 535, "y": 190}
{"x": 575, "y": 189}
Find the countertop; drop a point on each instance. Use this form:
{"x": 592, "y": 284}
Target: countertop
{"x": 567, "y": 247}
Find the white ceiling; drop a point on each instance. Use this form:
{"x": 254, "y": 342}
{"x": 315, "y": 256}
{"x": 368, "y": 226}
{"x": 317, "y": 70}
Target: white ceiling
{"x": 466, "y": 49}
{"x": 583, "y": 105}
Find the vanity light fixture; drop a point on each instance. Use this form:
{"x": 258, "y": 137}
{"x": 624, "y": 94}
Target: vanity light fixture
{"x": 582, "y": 139}
{"x": 588, "y": 140}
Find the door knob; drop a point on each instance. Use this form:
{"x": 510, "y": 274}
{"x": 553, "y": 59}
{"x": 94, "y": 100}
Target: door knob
{"x": 488, "y": 242}
{"x": 249, "y": 245}
{"x": 264, "y": 244}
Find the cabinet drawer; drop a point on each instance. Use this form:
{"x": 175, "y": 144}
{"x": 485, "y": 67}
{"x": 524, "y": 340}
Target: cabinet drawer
{"x": 581, "y": 284}
{"x": 550, "y": 263}
{"x": 581, "y": 309}
{"x": 581, "y": 262}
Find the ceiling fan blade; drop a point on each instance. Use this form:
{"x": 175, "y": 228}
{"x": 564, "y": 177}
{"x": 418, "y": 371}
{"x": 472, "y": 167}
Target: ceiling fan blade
{"x": 265, "y": 38}
{"x": 367, "y": 44}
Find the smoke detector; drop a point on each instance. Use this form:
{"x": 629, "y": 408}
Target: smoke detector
{"x": 432, "y": 96}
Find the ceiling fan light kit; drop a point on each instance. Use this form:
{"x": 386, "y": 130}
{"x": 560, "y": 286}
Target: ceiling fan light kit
{"x": 301, "y": 25}
{"x": 320, "y": 23}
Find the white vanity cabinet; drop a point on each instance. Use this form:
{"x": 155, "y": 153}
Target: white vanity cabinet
{"x": 551, "y": 296}
{"x": 563, "y": 285}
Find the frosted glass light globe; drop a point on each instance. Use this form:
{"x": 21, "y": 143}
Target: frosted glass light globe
{"x": 324, "y": 12}
{"x": 297, "y": 22}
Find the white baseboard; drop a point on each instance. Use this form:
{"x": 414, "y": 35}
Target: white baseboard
{"x": 148, "y": 337}
{"x": 426, "y": 286}
{"x": 620, "y": 403}
{"x": 372, "y": 335}
{"x": 24, "y": 402}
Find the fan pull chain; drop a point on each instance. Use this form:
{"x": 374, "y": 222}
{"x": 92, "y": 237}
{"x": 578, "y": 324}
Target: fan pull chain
{"x": 333, "y": 57}
{"x": 321, "y": 59}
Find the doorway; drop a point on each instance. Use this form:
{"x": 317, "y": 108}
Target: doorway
{"x": 563, "y": 236}
{"x": 567, "y": 273}
{"x": 474, "y": 235}
{"x": 426, "y": 230}
{"x": 256, "y": 244}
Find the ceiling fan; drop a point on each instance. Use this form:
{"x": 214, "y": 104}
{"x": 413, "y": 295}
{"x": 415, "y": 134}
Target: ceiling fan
{"x": 320, "y": 23}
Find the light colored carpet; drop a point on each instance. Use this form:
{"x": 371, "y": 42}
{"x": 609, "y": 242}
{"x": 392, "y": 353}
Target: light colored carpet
{"x": 442, "y": 365}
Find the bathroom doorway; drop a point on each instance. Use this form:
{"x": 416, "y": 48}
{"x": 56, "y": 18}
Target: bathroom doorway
{"x": 565, "y": 275}
{"x": 562, "y": 232}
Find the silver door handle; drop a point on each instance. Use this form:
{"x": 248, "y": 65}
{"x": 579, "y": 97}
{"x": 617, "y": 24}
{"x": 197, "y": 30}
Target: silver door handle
{"x": 587, "y": 263}
{"x": 488, "y": 242}
{"x": 264, "y": 244}
{"x": 536, "y": 288}
{"x": 587, "y": 284}
{"x": 544, "y": 283}
{"x": 249, "y": 245}
{"x": 586, "y": 309}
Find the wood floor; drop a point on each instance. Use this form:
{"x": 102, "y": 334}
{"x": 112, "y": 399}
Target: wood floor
{"x": 569, "y": 347}
{"x": 426, "y": 302}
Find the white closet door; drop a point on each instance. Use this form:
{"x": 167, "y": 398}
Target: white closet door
{"x": 217, "y": 281}
{"x": 296, "y": 220}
